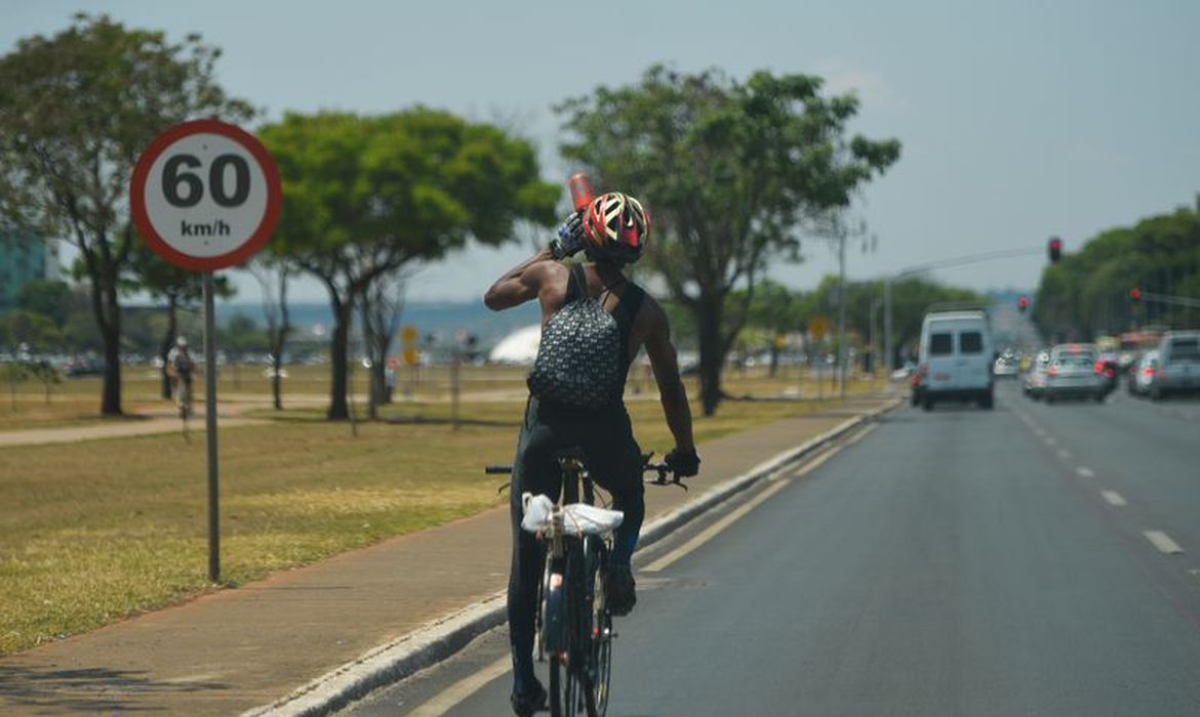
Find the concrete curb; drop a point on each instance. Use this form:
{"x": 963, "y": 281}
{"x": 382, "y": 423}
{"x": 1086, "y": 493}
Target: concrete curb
{"x": 440, "y": 639}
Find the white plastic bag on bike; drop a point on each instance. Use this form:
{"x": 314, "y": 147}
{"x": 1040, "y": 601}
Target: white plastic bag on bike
{"x": 578, "y": 518}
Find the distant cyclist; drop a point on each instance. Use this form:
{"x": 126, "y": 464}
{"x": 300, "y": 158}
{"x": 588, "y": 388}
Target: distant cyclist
{"x": 612, "y": 231}
{"x": 182, "y": 368}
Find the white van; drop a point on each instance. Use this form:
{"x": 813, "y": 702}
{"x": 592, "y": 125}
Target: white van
{"x": 956, "y": 356}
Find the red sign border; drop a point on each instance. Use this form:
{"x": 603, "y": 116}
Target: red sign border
{"x": 141, "y": 172}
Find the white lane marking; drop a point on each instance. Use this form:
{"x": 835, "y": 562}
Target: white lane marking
{"x": 1114, "y": 498}
{"x": 456, "y": 693}
{"x": 1162, "y": 542}
{"x": 1051, "y": 442}
{"x": 711, "y": 531}
{"x": 1085, "y": 472}
{"x": 1064, "y": 454}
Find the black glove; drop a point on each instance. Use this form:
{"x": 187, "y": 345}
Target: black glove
{"x": 570, "y": 239}
{"x": 684, "y": 464}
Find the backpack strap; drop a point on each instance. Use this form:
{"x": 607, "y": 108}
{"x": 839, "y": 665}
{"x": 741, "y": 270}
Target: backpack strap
{"x": 576, "y": 284}
{"x": 625, "y": 313}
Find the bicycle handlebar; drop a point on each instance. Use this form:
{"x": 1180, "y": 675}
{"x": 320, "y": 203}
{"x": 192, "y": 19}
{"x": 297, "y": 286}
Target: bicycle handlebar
{"x": 662, "y": 469}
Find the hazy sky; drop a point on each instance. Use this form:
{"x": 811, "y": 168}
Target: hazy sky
{"x": 1019, "y": 119}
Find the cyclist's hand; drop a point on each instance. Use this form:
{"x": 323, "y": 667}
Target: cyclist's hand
{"x": 570, "y": 239}
{"x": 684, "y": 464}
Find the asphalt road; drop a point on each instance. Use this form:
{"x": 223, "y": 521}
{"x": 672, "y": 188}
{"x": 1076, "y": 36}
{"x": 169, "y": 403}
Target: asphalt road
{"x": 1030, "y": 560}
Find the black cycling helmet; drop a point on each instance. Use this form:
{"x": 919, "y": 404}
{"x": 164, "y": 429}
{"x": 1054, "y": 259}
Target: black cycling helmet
{"x": 616, "y": 227}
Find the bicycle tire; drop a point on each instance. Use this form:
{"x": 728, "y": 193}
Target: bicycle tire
{"x": 598, "y": 666}
{"x": 566, "y": 696}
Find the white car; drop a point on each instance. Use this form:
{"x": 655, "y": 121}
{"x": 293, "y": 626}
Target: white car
{"x": 1141, "y": 374}
{"x": 1178, "y": 364}
{"x": 1071, "y": 373}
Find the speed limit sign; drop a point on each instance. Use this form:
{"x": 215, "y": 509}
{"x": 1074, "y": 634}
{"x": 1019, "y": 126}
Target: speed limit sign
{"x": 205, "y": 195}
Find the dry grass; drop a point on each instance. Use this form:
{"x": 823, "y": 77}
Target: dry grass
{"x": 93, "y": 532}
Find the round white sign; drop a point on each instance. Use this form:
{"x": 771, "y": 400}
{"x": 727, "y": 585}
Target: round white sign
{"x": 205, "y": 195}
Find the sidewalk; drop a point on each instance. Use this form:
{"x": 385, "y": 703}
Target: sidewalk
{"x": 307, "y": 641}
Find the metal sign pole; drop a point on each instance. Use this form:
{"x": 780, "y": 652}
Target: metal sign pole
{"x": 210, "y": 425}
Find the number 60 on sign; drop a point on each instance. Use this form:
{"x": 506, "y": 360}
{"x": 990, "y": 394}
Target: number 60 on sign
{"x": 205, "y": 195}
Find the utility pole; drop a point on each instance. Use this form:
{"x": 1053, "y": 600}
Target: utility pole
{"x": 914, "y": 270}
{"x": 843, "y": 355}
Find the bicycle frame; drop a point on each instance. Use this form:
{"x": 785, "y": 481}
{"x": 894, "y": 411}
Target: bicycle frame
{"x": 572, "y": 623}
{"x": 574, "y": 629}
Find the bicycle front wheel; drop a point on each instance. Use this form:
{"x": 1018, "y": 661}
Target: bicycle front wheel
{"x": 566, "y": 692}
{"x": 599, "y": 641}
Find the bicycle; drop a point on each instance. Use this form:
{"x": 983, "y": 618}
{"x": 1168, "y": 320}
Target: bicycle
{"x": 573, "y": 625}
{"x": 183, "y": 398}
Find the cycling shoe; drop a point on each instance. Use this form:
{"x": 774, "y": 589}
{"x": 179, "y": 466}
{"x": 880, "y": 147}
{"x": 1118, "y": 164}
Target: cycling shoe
{"x": 619, "y": 593}
{"x": 526, "y": 703}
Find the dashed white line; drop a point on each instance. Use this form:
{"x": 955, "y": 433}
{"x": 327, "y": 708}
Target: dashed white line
{"x": 1163, "y": 542}
{"x": 1114, "y": 498}
{"x": 1085, "y": 472}
{"x": 1064, "y": 454}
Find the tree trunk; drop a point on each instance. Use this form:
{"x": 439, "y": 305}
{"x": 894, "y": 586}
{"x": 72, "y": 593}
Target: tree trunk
{"x": 108, "y": 321}
{"x": 708, "y": 323}
{"x": 339, "y": 410}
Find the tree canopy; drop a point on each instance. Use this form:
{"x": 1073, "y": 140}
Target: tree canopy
{"x": 1087, "y": 293}
{"x": 732, "y": 173}
{"x": 364, "y": 196}
{"x": 76, "y": 111}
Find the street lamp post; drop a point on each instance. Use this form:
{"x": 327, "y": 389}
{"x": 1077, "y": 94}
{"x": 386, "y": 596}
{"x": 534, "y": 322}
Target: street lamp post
{"x": 955, "y": 261}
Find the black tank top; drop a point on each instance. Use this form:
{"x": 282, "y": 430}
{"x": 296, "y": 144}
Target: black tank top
{"x": 624, "y": 312}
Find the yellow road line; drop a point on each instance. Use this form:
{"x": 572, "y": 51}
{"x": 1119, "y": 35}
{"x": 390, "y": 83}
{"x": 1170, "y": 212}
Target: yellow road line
{"x": 455, "y": 694}
{"x": 713, "y": 530}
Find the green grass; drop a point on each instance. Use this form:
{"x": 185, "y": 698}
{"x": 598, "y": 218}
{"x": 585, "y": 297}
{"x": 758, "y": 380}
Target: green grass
{"x": 94, "y": 532}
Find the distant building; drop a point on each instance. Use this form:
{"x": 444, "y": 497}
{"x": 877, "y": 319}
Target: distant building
{"x": 23, "y": 258}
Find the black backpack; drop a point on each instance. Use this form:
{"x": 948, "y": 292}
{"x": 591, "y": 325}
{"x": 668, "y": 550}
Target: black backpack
{"x": 581, "y": 359}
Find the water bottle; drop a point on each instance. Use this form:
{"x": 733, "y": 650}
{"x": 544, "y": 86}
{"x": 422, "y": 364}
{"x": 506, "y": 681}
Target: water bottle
{"x": 582, "y": 193}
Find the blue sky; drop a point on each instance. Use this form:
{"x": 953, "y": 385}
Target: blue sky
{"x": 1019, "y": 120}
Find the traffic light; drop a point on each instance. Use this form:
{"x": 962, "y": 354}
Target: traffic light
{"x": 1054, "y": 249}
{"x": 1135, "y": 295}
{"x": 1023, "y": 303}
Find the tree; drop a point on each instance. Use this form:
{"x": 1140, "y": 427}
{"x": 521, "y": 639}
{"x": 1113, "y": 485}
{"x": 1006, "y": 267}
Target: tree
{"x": 380, "y": 311}
{"x": 732, "y": 172}
{"x": 364, "y": 197}
{"x": 76, "y": 112}
{"x": 273, "y": 272}
{"x": 48, "y": 297}
{"x": 1086, "y": 293}
{"x": 776, "y": 308}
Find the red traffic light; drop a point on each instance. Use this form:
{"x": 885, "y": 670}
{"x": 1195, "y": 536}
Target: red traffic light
{"x": 1054, "y": 249}
{"x": 1135, "y": 294}
{"x": 1023, "y": 303}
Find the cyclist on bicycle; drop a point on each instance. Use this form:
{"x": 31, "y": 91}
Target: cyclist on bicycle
{"x": 181, "y": 365}
{"x": 612, "y": 232}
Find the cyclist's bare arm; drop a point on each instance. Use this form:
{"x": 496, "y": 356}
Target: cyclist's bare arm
{"x": 655, "y": 334}
{"x": 538, "y": 277}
